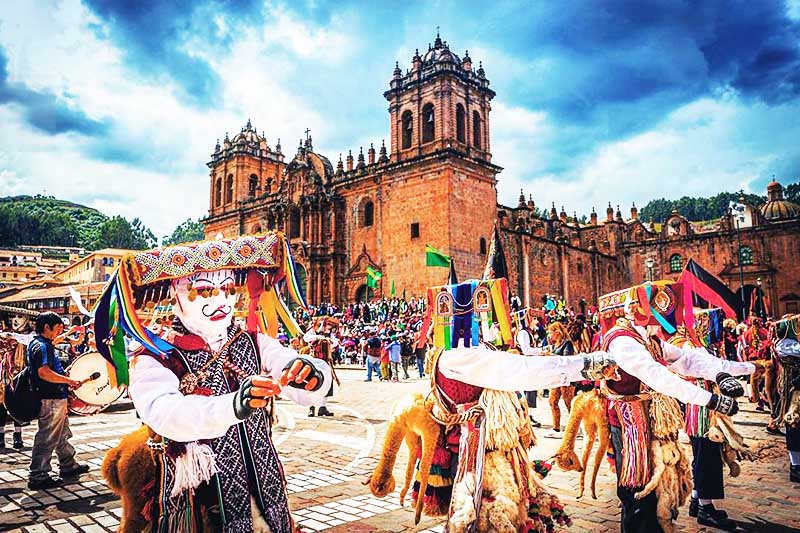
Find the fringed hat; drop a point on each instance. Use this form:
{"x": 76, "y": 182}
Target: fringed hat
{"x": 471, "y": 312}
{"x": 139, "y": 288}
{"x": 665, "y": 303}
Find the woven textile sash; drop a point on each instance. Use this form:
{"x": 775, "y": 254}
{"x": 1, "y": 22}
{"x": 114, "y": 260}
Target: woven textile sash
{"x": 634, "y": 472}
{"x": 471, "y": 454}
{"x": 697, "y": 416}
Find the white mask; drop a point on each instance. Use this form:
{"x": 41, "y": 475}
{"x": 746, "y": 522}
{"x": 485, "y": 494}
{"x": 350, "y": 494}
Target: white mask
{"x": 208, "y": 317}
{"x": 19, "y": 323}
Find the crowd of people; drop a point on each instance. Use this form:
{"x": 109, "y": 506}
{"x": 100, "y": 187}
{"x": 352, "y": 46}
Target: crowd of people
{"x": 386, "y": 337}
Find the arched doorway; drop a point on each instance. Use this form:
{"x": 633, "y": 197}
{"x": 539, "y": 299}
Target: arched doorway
{"x": 364, "y": 293}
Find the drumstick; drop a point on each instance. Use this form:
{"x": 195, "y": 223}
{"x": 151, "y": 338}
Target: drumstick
{"x": 92, "y": 377}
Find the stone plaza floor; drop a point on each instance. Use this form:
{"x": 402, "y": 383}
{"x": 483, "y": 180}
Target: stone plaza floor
{"x": 327, "y": 459}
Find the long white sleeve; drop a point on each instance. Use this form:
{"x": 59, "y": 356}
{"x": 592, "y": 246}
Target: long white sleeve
{"x": 634, "y": 359}
{"x": 509, "y": 372}
{"x": 154, "y": 391}
{"x": 275, "y": 357}
{"x": 698, "y": 363}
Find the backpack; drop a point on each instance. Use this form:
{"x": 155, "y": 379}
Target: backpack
{"x": 23, "y": 402}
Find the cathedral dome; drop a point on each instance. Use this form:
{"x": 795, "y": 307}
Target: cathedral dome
{"x": 440, "y": 53}
{"x": 777, "y": 208}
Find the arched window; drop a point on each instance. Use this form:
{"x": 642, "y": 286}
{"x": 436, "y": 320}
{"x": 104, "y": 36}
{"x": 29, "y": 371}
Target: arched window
{"x": 428, "y": 123}
{"x": 675, "y": 263}
{"x": 252, "y": 185}
{"x": 218, "y": 193}
{"x": 407, "y": 128}
{"x": 461, "y": 134}
{"x": 476, "y": 130}
{"x": 368, "y": 216}
{"x": 746, "y": 255}
{"x": 294, "y": 224}
{"x": 483, "y": 246}
{"x": 229, "y": 189}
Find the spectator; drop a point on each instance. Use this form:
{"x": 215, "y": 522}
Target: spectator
{"x": 374, "y": 357}
{"x": 395, "y": 350}
{"x": 54, "y": 432}
{"x": 419, "y": 351}
{"x": 385, "y": 374}
{"x": 407, "y": 353}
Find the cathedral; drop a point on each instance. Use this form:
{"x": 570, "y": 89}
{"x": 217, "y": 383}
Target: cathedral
{"x": 436, "y": 184}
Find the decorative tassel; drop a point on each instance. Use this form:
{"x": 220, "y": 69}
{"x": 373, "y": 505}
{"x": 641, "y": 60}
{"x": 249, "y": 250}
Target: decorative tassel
{"x": 193, "y": 468}
{"x": 665, "y": 416}
{"x": 502, "y": 421}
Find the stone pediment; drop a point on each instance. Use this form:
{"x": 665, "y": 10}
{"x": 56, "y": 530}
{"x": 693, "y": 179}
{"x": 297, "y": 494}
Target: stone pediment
{"x": 359, "y": 266}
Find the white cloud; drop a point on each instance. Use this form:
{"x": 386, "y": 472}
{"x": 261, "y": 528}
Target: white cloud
{"x": 700, "y": 149}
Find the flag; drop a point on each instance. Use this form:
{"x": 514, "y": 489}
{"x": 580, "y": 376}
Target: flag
{"x": 452, "y": 279}
{"x": 391, "y": 293}
{"x": 707, "y": 286}
{"x": 435, "y": 258}
{"x": 372, "y": 277}
{"x": 496, "y": 260}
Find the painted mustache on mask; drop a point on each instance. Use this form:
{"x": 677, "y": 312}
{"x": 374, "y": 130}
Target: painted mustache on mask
{"x": 219, "y": 313}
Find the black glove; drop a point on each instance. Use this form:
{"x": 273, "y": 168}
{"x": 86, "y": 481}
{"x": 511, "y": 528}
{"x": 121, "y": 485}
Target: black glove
{"x": 242, "y": 407}
{"x": 305, "y": 363}
{"x": 729, "y": 386}
{"x": 723, "y": 404}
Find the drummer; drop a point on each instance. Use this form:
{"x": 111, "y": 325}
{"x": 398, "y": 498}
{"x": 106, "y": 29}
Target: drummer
{"x": 54, "y": 432}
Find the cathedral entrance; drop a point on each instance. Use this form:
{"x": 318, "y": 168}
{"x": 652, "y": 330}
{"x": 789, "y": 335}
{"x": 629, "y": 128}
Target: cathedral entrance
{"x": 364, "y": 293}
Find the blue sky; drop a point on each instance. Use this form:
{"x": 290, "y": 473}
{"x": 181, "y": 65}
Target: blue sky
{"x": 119, "y": 104}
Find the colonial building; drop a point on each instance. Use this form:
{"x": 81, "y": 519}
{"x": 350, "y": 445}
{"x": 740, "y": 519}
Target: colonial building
{"x": 436, "y": 184}
{"x": 756, "y": 251}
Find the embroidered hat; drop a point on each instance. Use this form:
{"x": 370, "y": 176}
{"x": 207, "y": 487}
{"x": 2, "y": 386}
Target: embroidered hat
{"x": 264, "y": 264}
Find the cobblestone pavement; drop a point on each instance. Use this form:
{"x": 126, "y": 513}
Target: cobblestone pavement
{"x": 327, "y": 459}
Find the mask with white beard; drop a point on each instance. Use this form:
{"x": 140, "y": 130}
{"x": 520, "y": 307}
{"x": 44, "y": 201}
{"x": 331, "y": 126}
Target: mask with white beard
{"x": 204, "y": 304}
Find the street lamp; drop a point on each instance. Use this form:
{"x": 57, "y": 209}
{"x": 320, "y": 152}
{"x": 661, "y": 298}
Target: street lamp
{"x": 759, "y": 308}
{"x": 737, "y": 213}
{"x": 649, "y": 263}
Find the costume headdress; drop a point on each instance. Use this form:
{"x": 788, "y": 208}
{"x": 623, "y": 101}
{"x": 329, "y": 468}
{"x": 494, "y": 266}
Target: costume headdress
{"x": 664, "y": 303}
{"x": 466, "y": 313}
{"x": 263, "y": 264}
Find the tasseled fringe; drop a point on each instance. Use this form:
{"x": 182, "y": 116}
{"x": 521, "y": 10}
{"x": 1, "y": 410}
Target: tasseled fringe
{"x": 436, "y": 500}
{"x": 195, "y": 466}
{"x": 635, "y": 468}
{"x": 501, "y": 419}
{"x": 665, "y": 416}
{"x": 146, "y": 494}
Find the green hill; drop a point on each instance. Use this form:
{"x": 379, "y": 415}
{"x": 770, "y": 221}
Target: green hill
{"x": 45, "y": 220}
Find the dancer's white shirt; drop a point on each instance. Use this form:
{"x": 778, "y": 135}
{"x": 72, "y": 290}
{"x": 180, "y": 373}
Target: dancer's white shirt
{"x": 634, "y": 359}
{"x": 498, "y": 370}
{"x": 154, "y": 391}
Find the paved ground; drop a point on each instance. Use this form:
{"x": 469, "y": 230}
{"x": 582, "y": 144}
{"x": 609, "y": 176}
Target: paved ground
{"x": 326, "y": 460}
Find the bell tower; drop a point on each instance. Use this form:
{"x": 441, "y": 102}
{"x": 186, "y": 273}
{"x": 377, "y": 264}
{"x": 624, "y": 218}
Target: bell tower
{"x": 442, "y": 103}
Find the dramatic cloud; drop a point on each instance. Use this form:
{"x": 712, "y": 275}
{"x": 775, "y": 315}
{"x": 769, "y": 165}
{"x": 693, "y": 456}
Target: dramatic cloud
{"x": 118, "y": 104}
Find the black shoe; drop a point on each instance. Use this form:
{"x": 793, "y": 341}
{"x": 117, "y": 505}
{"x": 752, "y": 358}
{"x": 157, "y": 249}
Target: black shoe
{"x": 323, "y": 411}
{"x": 2, "y": 442}
{"x": 710, "y": 517}
{"x": 17, "y": 441}
{"x": 44, "y": 483}
{"x": 535, "y": 423}
{"x": 694, "y": 505}
{"x": 774, "y": 431}
{"x": 794, "y": 474}
{"x": 75, "y": 472}
{"x": 311, "y": 411}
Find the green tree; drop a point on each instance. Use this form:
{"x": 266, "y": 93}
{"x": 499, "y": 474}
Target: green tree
{"x": 119, "y": 233}
{"x": 792, "y": 192}
{"x": 187, "y": 231}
